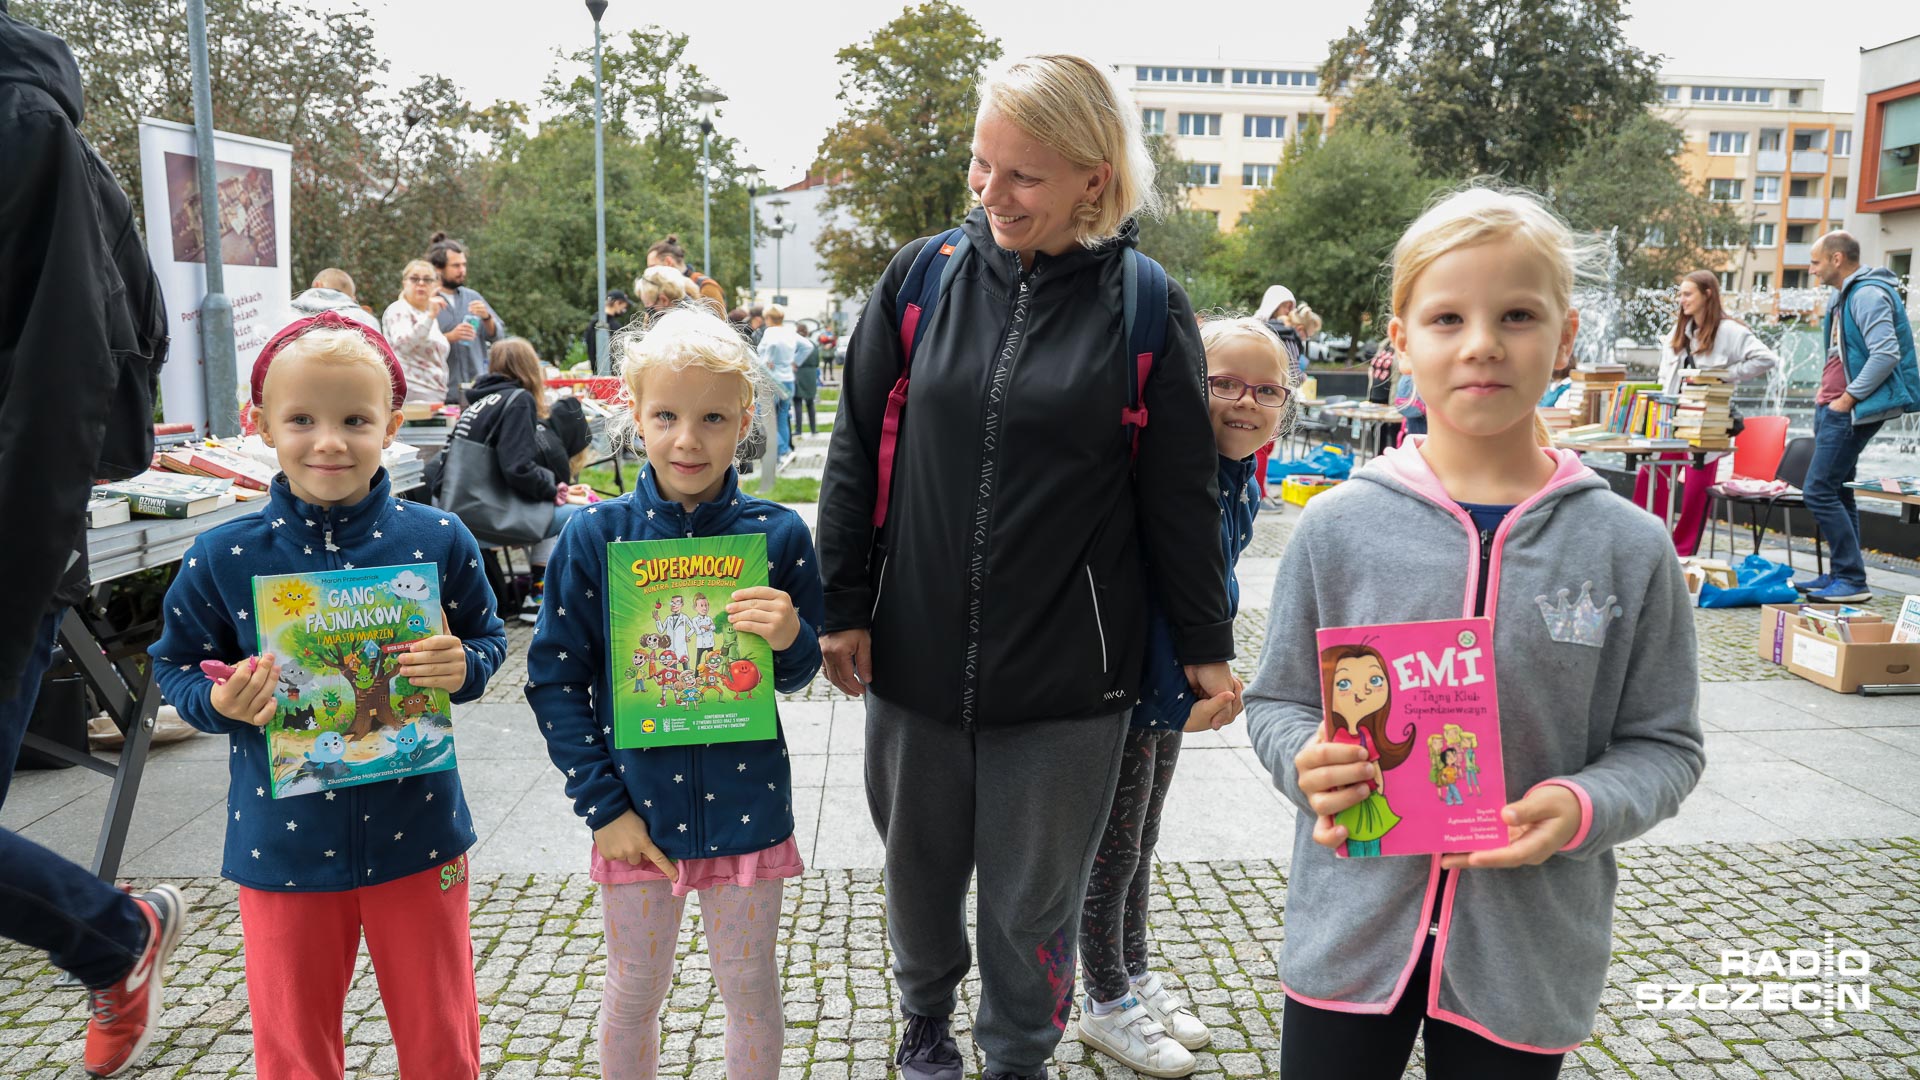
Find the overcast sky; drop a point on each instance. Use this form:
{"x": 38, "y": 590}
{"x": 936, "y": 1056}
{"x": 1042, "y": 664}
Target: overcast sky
{"x": 775, "y": 59}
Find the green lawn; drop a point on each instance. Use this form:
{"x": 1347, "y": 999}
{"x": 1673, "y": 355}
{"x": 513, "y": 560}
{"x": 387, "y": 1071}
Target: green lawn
{"x": 786, "y": 489}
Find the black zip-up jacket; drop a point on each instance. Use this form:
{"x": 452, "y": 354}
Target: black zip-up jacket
{"x": 500, "y": 414}
{"x": 83, "y": 332}
{"x": 1007, "y": 585}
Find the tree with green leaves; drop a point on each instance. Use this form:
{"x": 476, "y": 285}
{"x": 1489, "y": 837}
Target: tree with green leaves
{"x": 898, "y": 157}
{"x": 1627, "y": 182}
{"x": 374, "y": 171}
{"x": 1182, "y": 240}
{"x": 1506, "y": 88}
{"x": 1328, "y": 225}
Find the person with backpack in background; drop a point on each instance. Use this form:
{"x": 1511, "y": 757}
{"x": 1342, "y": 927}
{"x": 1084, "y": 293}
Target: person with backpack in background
{"x": 668, "y": 252}
{"x": 1055, "y": 456}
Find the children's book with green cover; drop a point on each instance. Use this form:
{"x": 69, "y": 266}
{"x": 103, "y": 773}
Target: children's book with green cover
{"x": 682, "y": 675}
{"x": 345, "y": 714}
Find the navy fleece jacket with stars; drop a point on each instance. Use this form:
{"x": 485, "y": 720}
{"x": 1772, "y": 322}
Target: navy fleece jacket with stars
{"x": 699, "y": 802}
{"x": 1165, "y": 696}
{"x": 351, "y": 836}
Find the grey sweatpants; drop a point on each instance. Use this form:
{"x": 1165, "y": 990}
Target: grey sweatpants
{"x": 1025, "y": 804}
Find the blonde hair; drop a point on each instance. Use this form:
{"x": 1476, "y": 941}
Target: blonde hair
{"x": 1482, "y": 213}
{"x": 1222, "y": 332}
{"x": 688, "y": 335}
{"x": 1304, "y": 319}
{"x": 661, "y": 281}
{"x": 334, "y": 278}
{"x": 775, "y": 314}
{"x": 1072, "y": 106}
{"x": 421, "y": 264}
{"x": 340, "y": 348}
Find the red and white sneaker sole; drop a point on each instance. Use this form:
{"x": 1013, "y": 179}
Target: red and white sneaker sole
{"x": 170, "y": 934}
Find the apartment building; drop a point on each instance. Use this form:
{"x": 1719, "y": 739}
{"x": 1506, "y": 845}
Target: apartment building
{"x": 1885, "y": 211}
{"x": 1230, "y": 119}
{"x": 1772, "y": 149}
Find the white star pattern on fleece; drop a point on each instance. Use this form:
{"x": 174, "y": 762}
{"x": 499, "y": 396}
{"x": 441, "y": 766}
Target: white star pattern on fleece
{"x": 236, "y": 549}
{"x": 256, "y": 853}
{"x": 683, "y": 826}
{"x": 377, "y": 534}
{"x": 746, "y": 819}
{"x": 417, "y": 554}
{"x": 292, "y": 826}
{"x": 328, "y": 853}
{"x": 330, "y": 796}
{"x": 242, "y": 613}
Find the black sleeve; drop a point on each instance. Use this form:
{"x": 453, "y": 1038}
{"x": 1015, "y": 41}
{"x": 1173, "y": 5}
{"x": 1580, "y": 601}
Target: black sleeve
{"x": 1177, "y": 494}
{"x": 851, "y": 481}
{"x": 57, "y": 375}
{"x": 519, "y": 451}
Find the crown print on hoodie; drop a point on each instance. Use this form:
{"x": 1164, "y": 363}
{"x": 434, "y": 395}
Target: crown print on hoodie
{"x": 1582, "y": 624}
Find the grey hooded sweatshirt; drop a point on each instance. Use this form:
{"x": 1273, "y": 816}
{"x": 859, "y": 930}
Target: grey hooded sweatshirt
{"x": 1598, "y": 692}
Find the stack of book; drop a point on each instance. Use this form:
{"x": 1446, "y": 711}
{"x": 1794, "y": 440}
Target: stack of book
{"x": 1836, "y": 625}
{"x": 1591, "y": 395}
{"x": 1704, "y": 416}
{"x": 1558, "y": 421}
{"x": 251, "y": 477}
{"x": 162, "y": 494}
{"x": 104, "y": 509}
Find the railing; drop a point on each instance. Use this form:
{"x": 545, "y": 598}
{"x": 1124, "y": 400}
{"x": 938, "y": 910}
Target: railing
{"x": 1770, "y": 161}
{"x": 1809, "y": 161}
{"x": 1797, "y": 255}
{"x": 1806, "y": 207}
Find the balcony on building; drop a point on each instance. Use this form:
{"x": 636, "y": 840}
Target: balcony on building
{"x": 1810, "y": 161}
{"x": 1797, "y": 254}
{"x": 1806, "y": 208}
{"x": 1770, "y": 161}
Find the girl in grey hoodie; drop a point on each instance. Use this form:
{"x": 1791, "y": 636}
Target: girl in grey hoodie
{"x": 1499, "y": 955}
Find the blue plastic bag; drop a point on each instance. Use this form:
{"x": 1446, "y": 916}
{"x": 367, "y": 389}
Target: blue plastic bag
{"x": 1762, "y": 581}
{"x": 1332, "y": 462}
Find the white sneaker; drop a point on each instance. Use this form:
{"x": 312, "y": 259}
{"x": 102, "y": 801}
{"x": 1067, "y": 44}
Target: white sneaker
{"x": 1133, "y": 1038}
{"x": 1171, "y": 1013}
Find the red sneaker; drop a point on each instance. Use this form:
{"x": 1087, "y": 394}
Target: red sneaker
{"x": 125, "y": 1014}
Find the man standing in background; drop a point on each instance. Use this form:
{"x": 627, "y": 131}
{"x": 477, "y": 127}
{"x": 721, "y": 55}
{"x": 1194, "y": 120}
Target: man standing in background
{"x": 467, "y": 320}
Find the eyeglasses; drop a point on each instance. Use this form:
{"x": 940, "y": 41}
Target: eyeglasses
{"x": 1228, "y": 388}
{"x": 416, "y": 279}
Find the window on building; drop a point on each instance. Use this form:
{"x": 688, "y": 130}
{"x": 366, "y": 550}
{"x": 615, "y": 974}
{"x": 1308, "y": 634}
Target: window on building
{"x": 1899, "y": 148}
{"x": 1764, "y": 234}
{"x": 1745, "y": 95}
{"x": 1195, "y": 123}
{"x": 1793, "y": 97}
{"x": 1263, "y": 77}
{"x": 1814, "y": 139}
{"x": 1201, "y": 174}
{"x": 1726, "y": 142}
{"x": 1839, "y": 187}
{"x": 1153, "y": 121}
{"x": 1723, "y": 190}
{"x": 1770, "y": 139}
{"x": 1670, "y": 92}
{"x": 1655, "y": 237}
{"x": 1843, "y": 144}
{"x": 1729, "y": 281}
{"x": 1801, "y": 187}
{"x": 1901, "y": 263}
{"x": 1257, "y": 175}
{"x": 1766, "y": 189}
{"x": 1793, "y": 279}
{"x": 1179, "y": 74}
{"x": 1801, "y": 233}
{"x": 1211, "y": 217}
{"x": 1263, "y": 127}
{"x": 1762, "y": 280}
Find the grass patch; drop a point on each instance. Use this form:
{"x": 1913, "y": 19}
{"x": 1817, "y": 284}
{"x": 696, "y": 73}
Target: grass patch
{"x": 786, "y": 489}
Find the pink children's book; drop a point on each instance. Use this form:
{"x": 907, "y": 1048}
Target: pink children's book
{"x": 1420, "y": 697}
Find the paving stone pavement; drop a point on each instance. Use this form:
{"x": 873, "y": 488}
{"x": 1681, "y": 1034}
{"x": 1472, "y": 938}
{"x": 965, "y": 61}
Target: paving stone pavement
{"x": 1218, "y": 927}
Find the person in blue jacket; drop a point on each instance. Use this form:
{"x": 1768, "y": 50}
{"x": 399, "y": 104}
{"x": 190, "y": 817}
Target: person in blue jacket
{"x": 714, "y": 819}
{"x": 386, "y": 858}
{"x": 1128, "y": 1013}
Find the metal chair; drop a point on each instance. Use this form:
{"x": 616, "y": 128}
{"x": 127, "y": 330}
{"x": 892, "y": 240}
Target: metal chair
{"x": 1793, "y": 469}
{"x": 1756, "y": 456}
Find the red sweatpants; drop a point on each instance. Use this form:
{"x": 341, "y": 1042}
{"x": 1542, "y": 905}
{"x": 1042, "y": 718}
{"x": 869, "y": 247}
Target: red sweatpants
{"x": 1695, "y": 499}
{"x": 300, "y": 954}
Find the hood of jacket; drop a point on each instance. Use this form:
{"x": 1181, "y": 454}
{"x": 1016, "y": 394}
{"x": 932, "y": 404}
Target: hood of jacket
{"x": 36, "y": 58}
{"x": 493, "y": 382}
{"x": 1004, "y": 265}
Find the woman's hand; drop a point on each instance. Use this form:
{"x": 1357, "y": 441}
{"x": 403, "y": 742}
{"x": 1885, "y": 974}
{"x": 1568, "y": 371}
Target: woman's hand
{"x": 1211, "y": 680}
{"x": 247, "y": 695}
{"x": 439, "y": 303}
{"x": 767, "y": 612}
{"x": 627, "y": 840}
{"x": 1333, "y": 777}
{"x": 1538, "y": 826}
{"x": 437, "y": 662}
{"x": 848, "y": 657}
{"x": 1211, "y": 714}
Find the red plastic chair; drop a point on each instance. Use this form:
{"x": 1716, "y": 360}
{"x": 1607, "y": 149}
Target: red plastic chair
{"x": 1757, "y": 451}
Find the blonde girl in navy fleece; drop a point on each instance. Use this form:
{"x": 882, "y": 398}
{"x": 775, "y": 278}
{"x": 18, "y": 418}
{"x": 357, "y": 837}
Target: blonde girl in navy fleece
{"x": 1500, "y": 956}
{"x": 316, "y": 872}
{"x": 717, "y": 820}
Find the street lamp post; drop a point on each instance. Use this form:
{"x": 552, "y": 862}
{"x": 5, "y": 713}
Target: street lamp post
{"x": 753, "y": 189}
{"x": 601, "y": 361}
{"x": 707, "y": 98}
{"x": 216, "y": 310}
{"x": 778, "y": 230}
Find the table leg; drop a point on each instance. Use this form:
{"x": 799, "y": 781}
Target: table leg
{"x": 126, "y": 783}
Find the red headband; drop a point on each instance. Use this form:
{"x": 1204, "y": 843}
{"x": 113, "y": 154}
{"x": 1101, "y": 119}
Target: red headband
{"x": 328, "y": 320}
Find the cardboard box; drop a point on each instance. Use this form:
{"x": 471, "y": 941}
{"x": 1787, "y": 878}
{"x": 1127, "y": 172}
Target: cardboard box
{"x": 1777, "y": 620}
{"x": 1872, "y": 657}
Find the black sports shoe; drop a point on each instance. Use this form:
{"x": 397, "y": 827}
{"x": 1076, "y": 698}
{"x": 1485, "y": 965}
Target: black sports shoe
{"x": 927, "y": 1050}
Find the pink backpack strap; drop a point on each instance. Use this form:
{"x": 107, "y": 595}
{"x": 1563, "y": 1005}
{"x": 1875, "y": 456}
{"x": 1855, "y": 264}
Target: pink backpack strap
{"x": 926, "y": 282}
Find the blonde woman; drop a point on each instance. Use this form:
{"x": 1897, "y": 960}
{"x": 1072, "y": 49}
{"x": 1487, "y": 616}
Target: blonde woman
{"x": 660, "y": 288}
{"x": 995, "y": 621}
{"x": 412, "y": 325}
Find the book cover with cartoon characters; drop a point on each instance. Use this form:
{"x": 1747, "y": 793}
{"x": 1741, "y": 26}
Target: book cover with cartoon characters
{"x": 682, "y": 675}
{"x": 346, "y": 716}
{"x": 1420, "y": 698}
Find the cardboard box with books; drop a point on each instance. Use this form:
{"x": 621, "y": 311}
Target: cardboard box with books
{"x": 1838, "y": 647}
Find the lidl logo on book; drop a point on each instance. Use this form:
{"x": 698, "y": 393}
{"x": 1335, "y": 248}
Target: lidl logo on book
{"x": 648, "y": 726}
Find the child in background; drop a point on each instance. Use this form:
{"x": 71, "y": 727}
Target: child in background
{"x": 317, "y": 871}
{"x": 1500, "y": 956}
{"x": 1128, "y": 1013}
{"x": 692, "y": 382}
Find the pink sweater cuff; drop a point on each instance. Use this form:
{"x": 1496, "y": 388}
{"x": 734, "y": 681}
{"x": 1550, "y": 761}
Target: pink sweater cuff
{"x": 1586, "y": 809}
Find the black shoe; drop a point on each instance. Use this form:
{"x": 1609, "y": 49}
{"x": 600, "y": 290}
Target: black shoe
{"x": 927, "y": 1050}
{"x": 991, "y": 1075}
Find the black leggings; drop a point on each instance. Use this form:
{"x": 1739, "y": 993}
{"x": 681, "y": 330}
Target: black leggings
{"x": 1370, "y": 1046}
{"x": 1113, "y": 923}
{"x": 813, "y": 427}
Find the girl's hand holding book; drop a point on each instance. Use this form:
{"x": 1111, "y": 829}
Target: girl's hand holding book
{"x": 626, "y": 838}
{"x": 437, "y": 662}
{"x": 247, "y": 695}
{"x": 1538, "y": 826}
{"x": 1333, "y": 777}
{"x": 767, "y": 612}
